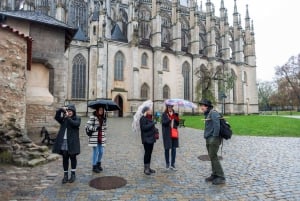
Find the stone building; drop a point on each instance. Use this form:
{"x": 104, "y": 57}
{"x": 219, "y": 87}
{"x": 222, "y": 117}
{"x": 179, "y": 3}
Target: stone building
{"x": 43, "y": 83}
{"x": 130, "y": 51}
{"x": 15, "y": 60}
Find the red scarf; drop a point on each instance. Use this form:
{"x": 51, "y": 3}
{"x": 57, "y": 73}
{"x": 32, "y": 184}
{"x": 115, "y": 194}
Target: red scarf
{"x": 100, "y": 119}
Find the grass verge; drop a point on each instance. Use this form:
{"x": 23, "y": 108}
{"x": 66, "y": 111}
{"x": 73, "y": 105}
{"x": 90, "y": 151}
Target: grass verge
{"x": 254, "y": 125}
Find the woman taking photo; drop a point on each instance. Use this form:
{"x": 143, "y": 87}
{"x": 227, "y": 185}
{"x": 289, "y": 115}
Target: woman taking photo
{"x": 67, "y": 141}
{"x": 96, "y": 129}
{"x": 170, "y": 121}
{"x": 148, "y": 132}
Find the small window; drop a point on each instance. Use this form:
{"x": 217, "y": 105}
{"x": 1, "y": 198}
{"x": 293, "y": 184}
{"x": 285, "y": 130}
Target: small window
{"x": 94, "y": 30}
{"x": 144, "y": 59}
{"x": 145, "y": 91}
{"x": 166, "y": 92}
{"x": 166, "y": 64}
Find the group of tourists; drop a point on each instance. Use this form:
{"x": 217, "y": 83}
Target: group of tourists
{"x": 67, "y": 143}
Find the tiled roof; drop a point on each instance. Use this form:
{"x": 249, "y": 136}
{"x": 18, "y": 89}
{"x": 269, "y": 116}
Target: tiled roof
{"x": 43, "y": 19}
{"x": 116, "y": 34}
{"x": 80, "y": 35}
{"x": 36, "y": 17}
{"x": 22, "y": 35}
{"x": 95, "y": 16}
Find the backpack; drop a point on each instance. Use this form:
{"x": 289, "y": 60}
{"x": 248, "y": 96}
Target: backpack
{"x": 225, "y": 129}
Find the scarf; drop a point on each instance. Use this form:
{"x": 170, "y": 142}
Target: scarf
{"x": 100, "y": 119}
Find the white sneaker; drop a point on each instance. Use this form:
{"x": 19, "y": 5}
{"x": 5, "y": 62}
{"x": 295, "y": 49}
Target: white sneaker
{"x": 167, "y": 167}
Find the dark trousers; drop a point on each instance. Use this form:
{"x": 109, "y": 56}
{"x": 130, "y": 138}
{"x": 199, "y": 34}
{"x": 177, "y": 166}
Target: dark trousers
{"x": 148, "y": 152}
{"x": 66, "y": 158}
{"x": 212, "y": 145}
{"x": 173, "y": 156}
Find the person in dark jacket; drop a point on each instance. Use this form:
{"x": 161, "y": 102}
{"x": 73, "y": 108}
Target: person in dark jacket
{"x": 148, "y": 132}
{"x": 169, "y": 120}
{"x": 213, "y": 141}
{"x": 67, "y": 142}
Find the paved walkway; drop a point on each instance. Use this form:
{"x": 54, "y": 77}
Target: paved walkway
{"x": 256, "y": 168}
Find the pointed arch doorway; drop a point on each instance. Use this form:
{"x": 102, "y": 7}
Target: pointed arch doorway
{"x": 119, "y": 101}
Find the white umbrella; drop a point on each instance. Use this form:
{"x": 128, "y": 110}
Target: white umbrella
{"x": 136, "y": 118}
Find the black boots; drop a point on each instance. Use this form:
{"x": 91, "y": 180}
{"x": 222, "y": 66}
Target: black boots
{"x": 218, "y": 181}
{"x": 99, "y": 166}
{"x": 65, "y": 179}
{"x": 210, "y": 178}
{"x": 151, "y": 170}
{"x": 96, "y": 169}
{"x": 73, "y": 177}
{"x": 148, "y": 170}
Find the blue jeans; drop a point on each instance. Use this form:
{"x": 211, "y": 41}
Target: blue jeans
{"x": 173, "y": 156}
{"x": 97, "y": 153}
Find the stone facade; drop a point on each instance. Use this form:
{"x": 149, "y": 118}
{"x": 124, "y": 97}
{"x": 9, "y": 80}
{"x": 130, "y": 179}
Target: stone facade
{"x": 15, "y": 146}
{"x": 120, "y": 49}
{"x": 13, "y": 60}
{"x": 45, "y": 90}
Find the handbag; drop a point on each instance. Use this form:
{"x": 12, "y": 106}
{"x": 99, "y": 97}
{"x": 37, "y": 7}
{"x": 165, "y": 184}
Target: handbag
{"x": 174, "y": 133}
{"x": 156, "y": 134}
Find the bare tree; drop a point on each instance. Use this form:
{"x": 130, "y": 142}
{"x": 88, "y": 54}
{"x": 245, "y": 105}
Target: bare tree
{"x": 265, "y": 91}
{"x": 290, "y": 72}
{"x": 205, "y": 81}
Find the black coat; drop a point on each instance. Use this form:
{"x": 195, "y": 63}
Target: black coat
{"x": 148, "y": 130}
{"x": 72, "y": 124}
{"x": 166, "y": 132}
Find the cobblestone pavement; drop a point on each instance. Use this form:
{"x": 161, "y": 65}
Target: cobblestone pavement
{"x": 256, "y": 168}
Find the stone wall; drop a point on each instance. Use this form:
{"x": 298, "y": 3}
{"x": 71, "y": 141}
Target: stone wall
{"x": 15, "y": 146}
{"x": 13, "y": 58}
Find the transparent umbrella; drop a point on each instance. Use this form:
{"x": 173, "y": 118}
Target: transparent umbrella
{"x": 136, "y": 118}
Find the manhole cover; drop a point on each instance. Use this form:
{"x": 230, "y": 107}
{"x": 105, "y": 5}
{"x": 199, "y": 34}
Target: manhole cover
{"x": 107, "y": 183}
{"x": 206, "y": 158}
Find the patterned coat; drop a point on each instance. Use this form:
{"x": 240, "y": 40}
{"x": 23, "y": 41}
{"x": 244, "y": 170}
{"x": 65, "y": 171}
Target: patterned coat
{"x": 92, "y": 125}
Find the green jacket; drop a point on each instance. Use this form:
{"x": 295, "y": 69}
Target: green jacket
{"x": 212, "y": 124}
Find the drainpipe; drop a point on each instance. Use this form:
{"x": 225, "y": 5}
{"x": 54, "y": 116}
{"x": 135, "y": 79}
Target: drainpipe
{"x": 88, "y": 84}
{"x": 153, "y": 77}
{"x": 106, "y": 93}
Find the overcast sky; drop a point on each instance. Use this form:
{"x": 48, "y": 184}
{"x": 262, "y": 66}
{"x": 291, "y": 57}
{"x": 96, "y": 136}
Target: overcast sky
{"x": 277, "y": 31}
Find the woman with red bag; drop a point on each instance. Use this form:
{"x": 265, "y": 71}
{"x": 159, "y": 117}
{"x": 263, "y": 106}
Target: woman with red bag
{"x": 170, "y": 122}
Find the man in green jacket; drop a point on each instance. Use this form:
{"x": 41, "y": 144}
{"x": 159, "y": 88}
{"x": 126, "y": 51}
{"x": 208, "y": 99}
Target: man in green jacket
{"x": 213, "y": 141}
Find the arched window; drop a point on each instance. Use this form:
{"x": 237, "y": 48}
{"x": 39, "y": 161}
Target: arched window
{"x": 233, "y": 86}
{"x": 78, "y": 15}
{"x": 165, "y": 64}
{"x": 186, "y": 80}
{"x": 144, "y": 59}
{"x": 166, "y": 92}
{"x": 119, "y": 67}
{"x": 78, "y": 76}
{"x": 145, "y": 91}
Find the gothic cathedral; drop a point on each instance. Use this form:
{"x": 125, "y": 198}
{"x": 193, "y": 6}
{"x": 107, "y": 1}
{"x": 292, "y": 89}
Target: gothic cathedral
{"x": 134, "y": 50}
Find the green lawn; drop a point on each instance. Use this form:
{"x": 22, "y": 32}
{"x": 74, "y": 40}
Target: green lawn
{"x": 255, "y": 125}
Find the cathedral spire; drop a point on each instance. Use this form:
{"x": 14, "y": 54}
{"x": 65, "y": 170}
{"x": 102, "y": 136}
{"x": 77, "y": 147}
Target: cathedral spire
{"x": 235, "y": 16}
{"x": 222, "y": 5}
{"x": 235, "y": 8}
{"x": 252, "y": 26}
{"x": 247, "y": 19}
